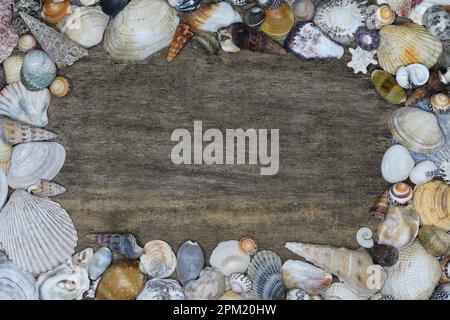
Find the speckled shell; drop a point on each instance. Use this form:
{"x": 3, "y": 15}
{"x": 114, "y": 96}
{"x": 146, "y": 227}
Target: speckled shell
{"x": 12, "y": 67}
{"x": 397, "y": 164}
{"x": 299, "y": 274}
{"x": 27, "y": 43}
{"x": 278, "y": 22}
{"x": 63, "y": 283}
{"x": 158, "y": 260}
{"x": 13, "y": 132}
{"x": 46, "y": 188}
{"x": 432, "y": 203}
{"x": 367, "y": 39}
{"x": 339, "y": 291}
{"x": 435, "y": 240}
{"x": 206, "y": 42}
{"x": 239, "y": 283}
{"x": 442, "y": 292}
{"x": 190, "y": 261}
{"x": 437, "y": 21}
{"x": 54, "y": 11}
{"x": 123, "y": 244}
{"x": 209, "y": 286}
{"x": 303, "y": 10}
{"x": 162, "y": 289}
{"x": 61, "y": 86}
{"x": 8, "y": 41}
{"x": 265, "y": 272}
{"x": 38, "y": 70}
{"x": 16, "y": 284}
{"x": 100, "y": 262}
{"x": 388, "y": 88}
{"x": 423, "y": 172}
{"x": 228, "y": 258}
{"x": 384, "y": 255}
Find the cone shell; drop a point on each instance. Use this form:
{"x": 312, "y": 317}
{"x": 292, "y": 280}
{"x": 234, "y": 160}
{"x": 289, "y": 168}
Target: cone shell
{"x": 228, "y": 258}
{"x": 209, "y": 286}
{"x": 38, "y": 70}
{"x": 16, "y": 284}
{"x": 49, "y": 242}
{"x": 190, "y": 261}
{"x": 123, "y": 244}
{"x": 158, "y": 260}
{"x": 278, "y": 22}
{"x": 54, "y": 11}
{"x": 13, "y": 132}
{"x": 27, "y": 43}
{"x": 141, "y": 29}
{"x": 182, "y": 36}
{"x": 265, "y": 273}
{"x": 298, "y": 274}
{"x": 46, "y": 188}
{"x": 435, "y": 240}
{"x": 162, "y": 289}
{"x": 432, "y": 203}
{"x": 407, "y": 44}
{"x": 414, "y": 276}
{"x": 12, "y": 67}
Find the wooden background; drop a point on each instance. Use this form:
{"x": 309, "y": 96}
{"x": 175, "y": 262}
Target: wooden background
{"x": 116, "y": 128}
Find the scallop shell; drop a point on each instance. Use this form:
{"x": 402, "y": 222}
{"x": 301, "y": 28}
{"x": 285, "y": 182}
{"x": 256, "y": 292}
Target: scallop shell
{"x": 406, "y": 44}
{"x": 101, "y": 261}
{"x": 16, "y": 284}
{"x": 339, "y": 291}
{"x": 400, "y": 194}
{"x": 239, "y": 283}
{"x": 278, "y": 22}
{"x": 30, "y": 107}
{"x": 35, "y": 161}
{"x": 417, "y": 130}
{"x": 63, "y": 283}
{"x": 123, "y": 244}
{"x": 61, "y": 86}
{"x": 248, "y": 245}
{"x": 162, "y": 289}
{"x": 437, "y": 21}
{"x": 435, "y": 240}
{"x": 442, "y": 292}
{"x": 298, "y": 274}
{"x": 432, "y": 203}
{"x": 140, "y": 30}
{"x": 397, "y": 164}
{"x": 209, "y": 286}
{"x": 423, "y": 172}
{"x": 54, "y": 11}
{"x": 38, "y": 70}
{"x": 158, "y": 260}
{"x": 12, "y": 67}
{"x": 85, "y": 26}
{"x": 412, "y": 76}
{"x": 414, "y": 276}
{"x": 228, "y": 258}
{"x": 3, "y": 188}
{"x": 46, "y": 188}
{"x": 399, "y": 228}
{"x": 265, "y": 272}
{"x": 13, "y": 132}
{"x": 36, "y": 233}
{"x": 27, "y": 43}
{"x": 384, "y": 255}
{"x": 190, "y": 261}
{"x": 388, "y": 88}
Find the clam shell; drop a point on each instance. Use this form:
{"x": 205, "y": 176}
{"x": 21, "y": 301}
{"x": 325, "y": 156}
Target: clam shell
{"x": 278, "y": 22}
{"x": 63, "y": 283}
{"x": 158, "y": 260}
{"x": 384, "y": 255}
{"x": 423, "y": 172}
{"x": 435, "y": 240}
{"x": 162, "y": 289}
{"x": 12, "y": 67}
{"x": 414, "y": 276}
{"x": 339, "y": 291}
{"x": 16, "y": 284}
{"x": 412, "y": 76}
{"x": 265, "y": 272}
{"x": 209, "y": 286}
{"x": 432, "y": 203}
{"x": 397, "y": 164}
{"x": 190, "y": 261}
{"x": 228, "y": 258}
{"x": 21, "y": 104}
{"x": 298, "y": 274}
{"x": 239, "y": 283}
{"x": 141, "y": 29}
{"x": 123, "y": 244}
{"x": 101, "y": 261}
{"x": 32, "y": 162}
{"x": 46, "y": 188}
{"x": 13, "y": 132}
{"x": 38, "y": 70}
{"x": 36, "y": 233}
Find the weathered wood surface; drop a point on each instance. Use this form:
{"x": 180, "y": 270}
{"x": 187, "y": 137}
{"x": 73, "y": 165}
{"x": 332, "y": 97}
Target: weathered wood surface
{"x": 117, "y": 123}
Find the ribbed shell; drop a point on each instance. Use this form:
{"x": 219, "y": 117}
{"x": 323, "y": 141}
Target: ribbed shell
{"x": 239, "y": 283}
{"x": 141, "y": 29}
{"x": 38, "y": 70}
{"x": 432, "y": 203}
{"x": 190, "y": 261}
{"x": 414, "y": 276}
{"x": 406, "y": 44}
{"x": 36, "y": 233}
{"x": 158, "y": 260}
{"x": 16, "y": 284}
{"x": 339, "y": 291}
{"x": 162, "y": 289}
{"x": 3, "y": 188}
{"x": 123, "y": 244}
{"x": 13, "y": 132}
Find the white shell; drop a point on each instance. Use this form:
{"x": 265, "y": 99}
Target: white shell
{"x": 423, "y": 172}
{"x": 101, "y": 260}
{"x": 35, "y": 161}
{"x": 21, "y": 104}
{"x": 412, "y": 76}
{"x": 81, "y": 259}
{"x": 141, "y": 29}
{"x": 361, "y": 59}
{"x": 228, "y": 258}
{"x": 416, "y": 14}
{"x": 297, "y": 294}
{"x": 36, "y": 233}
{"x": 339, "y": 291}
{"x": 38, "y": 70}
{"x": 15, "y": 284}
{"x": 85, "y": 26}
{"x": 239, "y": 283}
{"x": 63, "y": 283}
{"x": 444, "y": 170}
{"x": 414, "y": 276}
{"x": 397, "y": 164}
{"x": 212, "y": 17}
{"x": 12, "y": 67}
{"x": 364, "y": 237}
{"x": 3, "y": 188}
{"x": 299, "y": 274}
{"x": 46, "y": 188}
{"x": 209, "y": 286}
{"x": 158, "y": 260}
{"x": 162, "y": 289}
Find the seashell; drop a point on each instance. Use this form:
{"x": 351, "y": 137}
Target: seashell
{"x": 432, "y": 202}
{"x": 158, "y": 260}
{"x": 339, "y": 291}
{"x": 190, "y": 261}
{"x": 12, "y": 67}
{"x": 405, "y": 44}
{"x": 412, "y": 76}
{"x": 239, "y": 283}
{"x": 444, "y": 171}
{"x": 16, "y": 284}
{"x": 248, "y": 245}
{"x": 46, "y": 188}
{"x": 442, "y": 292}
{"x": 437, "y": 21}
{"x": 32, "y": 162}
{"x": 254, "y": 17}
{"x": 265, "y": 273}
{"x": 209, "y": 286}
{"x": 3, "y": 256}
{"x": 230, "y": 295}
{"x": 38, "y": 70}
{"x": 206, "y": 42}
{"x": 367, "y": 39}
{"x": 297, "y": 294}
{"x": 101, "y": 261}
{"x": 13, "y": 132}
{"x": 238, "y": 3}
{"x": 51, "y": 240}
{"x": 278, "y": 22}
{"x": 304, "y": 10}
{"x": 380, "y": 207}
{"x": 364, "y": 237}
{"x": 140, "y": 30}
{"x": 444, "y": 59}
{"x": 113, "y": 7}
{"x": 247, "y": 38}
{"x": 416, "y": 14}
{"x": 436, "y": 83}
{"x": 414, "y": 276}
{"x": 445, "y": 266}
{"x": 28, "y": 6}
{"x": 440, "y": 103}
{"x": 123, "y": 244}
{"x": 63, "y": 283}
{"x": 211, "y": 17}
{"x": 379, "y": 296}
{"x": 122, "y": 281}
{"x": 298, "y": 274}
{"x": 27, "y": 43}
{"x": 85, "y": 26}
{"x": 185, "y": 5}
{"x": 5, "y": 159}
{"x": 63, "y": 51}
{"x": 384, "y": 255}
{"x": 269, "y": 4}
{"x": 400, "y": 194}
{"x": 340, "y": 19}
{"x": 307, "y": 41}
{"x": 423, "y": 172}
{"x": 80, "y": 259}
{"x": 387, "y": 86}
{"x": 61, "y": 86}
{"x": 85, "y": 2}
{"x": 384, "y": 16}
{"x": 361, "y": 59}
{"x": 417, "y": 130}
{"x": 397, "y": 164}
{"x": 435, "y": 240}
{"x": 8, "y": 41}
{"x": 350, "y": 266}
{"x": 2, "y": 78}
{"x": 162, "y": 289}
{"x": 401, "y": 7}
{"x": 6, "y": 12}
{"x": 228, "y": 258}
{"x": 399, "y": 228}
{"x": 90, "y": 294}
{"x": 182, "y": 36}
{"x": 55, "y": 11}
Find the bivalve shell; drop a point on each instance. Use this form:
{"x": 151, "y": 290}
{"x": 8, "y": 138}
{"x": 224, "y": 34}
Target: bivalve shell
{"x": 228, "y": 258}
{"x": 158, "y": 260}
{"x": 339, "y": 291}
{"x": 432, "y": 203}
{"x": 190, "y": 261}
{"x": 16, "y": 284}
{"x": 435, "y": 240}
{"x": 162, "y": 289}
{"x": 397, "y": 164}
{"x": 299, "y": 274}
{"x": 265, "y": 272}
{"x": 423, "y": 172}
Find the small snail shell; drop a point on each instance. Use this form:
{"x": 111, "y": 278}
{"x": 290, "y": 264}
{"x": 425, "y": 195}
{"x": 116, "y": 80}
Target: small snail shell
{"x": 27, "y": 43}
{"x": 248, "y": 245}
{"x": 53, "y": 11}
{"x": 400, "y": 194}
{"x": 364, "y": 236}
{"x": 440, "y": 103}
{"x": 384, "y": 15}
{"x": 61, "y": 86}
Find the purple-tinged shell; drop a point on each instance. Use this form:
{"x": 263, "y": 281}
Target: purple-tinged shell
{"x": 6, "y": 12}
{"x": 367, "y": 39}
{"x": 123, "y": 244}
{"x": 8, "y": 41}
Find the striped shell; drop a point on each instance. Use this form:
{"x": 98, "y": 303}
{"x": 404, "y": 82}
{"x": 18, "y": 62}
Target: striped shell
{"x": 15, "y": 284}
{"x": 13, "y": 132}
{"x": 400, "y": 194}
{"x": 239, "y": 283}
{"x": 46, "y": 188}
{"x": 158, "y": 260}
{"x": 442, "y": 292}
{"x": 265, "y": 273}
{"x": 432, "y": 203}
{"x": 123, "y": 244}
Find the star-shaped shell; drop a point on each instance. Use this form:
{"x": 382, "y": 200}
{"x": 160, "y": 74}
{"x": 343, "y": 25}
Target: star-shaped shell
{"x": 361, "y": 59}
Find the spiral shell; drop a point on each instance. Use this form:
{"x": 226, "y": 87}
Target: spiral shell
{"x": 248, "y": 245}
{"x": 123, "y": 244}
{"x": 54, "y": 11}
{"x": 400, "y": 194}
{"x": 61, "y": 86}
{"x": 38, "y": 70}
{"x": 27, "y": 43}
{"x": 440, "y": 103}
{"x": 16, "y": 284}
{"x": 158, "y": 260}
{"x": 239, "y": 283}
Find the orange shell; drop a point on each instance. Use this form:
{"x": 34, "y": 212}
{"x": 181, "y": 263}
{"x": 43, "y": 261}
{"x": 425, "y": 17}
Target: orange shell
{"x": 248, "y": 245}
{"x": 53, "y": 12}
{"x": 278, "y": 22}
{"x": 182, "y": 36}
{"x": 197, "y": 18}
{"x": 60, "y": 87}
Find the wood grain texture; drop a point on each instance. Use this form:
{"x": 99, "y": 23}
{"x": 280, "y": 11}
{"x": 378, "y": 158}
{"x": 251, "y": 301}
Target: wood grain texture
{"x": 117, "y": 123}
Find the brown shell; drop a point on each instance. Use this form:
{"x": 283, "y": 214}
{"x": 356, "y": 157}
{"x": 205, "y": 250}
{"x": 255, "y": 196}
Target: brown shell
{"x": 248, "y": 245}
{"x": 434, "y": 85}
{"x": 432, "y": 203}
{"x": 61, "y": 86}
{"x": 445, "y": 270}
{"x": 198, "y": 17}
{"x": 384, "y": 255}
{"x": 435, "y": 240}
{"x": 53, "y": 12}
{"x": 278, "y": 22}
{"x": 182, "y": 36}
{"x": 380, "y": 207}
